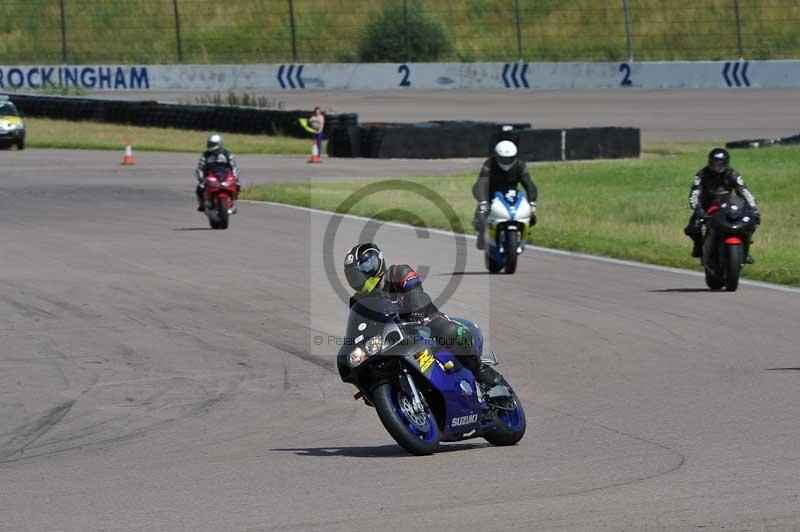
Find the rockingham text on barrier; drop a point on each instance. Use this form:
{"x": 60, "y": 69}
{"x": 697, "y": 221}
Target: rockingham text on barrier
{"x": 84, "y": 77}
{"x": 392, "y": 76}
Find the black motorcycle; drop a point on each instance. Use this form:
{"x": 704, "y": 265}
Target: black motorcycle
{"x": 728, "y": 223}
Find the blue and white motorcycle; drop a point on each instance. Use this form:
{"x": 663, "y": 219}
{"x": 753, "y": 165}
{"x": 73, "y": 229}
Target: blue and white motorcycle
{"x": 507, "y": 226}
{"x": 421, "y": 392}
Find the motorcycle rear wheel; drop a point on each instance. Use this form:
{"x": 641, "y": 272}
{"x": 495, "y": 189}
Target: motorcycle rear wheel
{"x": 713, "y": 281}
{"x": 492, "y": 265}
{"x": 510, "y": 425}
{"x": 417, "y": 433}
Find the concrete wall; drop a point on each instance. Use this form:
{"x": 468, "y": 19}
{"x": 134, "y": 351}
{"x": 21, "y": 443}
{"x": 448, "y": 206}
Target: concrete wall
{"x": 511, "y": 76}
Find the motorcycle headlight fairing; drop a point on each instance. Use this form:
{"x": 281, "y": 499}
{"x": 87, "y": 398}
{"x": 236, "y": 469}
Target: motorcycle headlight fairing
{"x": 356, "y": 357}
{"x": 359, "y": 355}
{"x": 373, "y": 345}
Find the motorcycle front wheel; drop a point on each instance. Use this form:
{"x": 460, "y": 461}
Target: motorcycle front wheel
{"x": 222, "y": 211}
{"x": 733, "y": 265}
{"x": 713, "y": 281}
{"x": 512, "y": 243}
{"x": 416, "y": 432}
{"x": 213, "y": 221}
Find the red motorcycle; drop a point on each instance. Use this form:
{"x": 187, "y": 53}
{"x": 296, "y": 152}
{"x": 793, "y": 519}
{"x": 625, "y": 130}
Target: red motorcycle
{"x": 220, "y": 192}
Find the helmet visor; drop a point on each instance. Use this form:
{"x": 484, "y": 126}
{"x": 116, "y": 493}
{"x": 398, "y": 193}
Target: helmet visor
{"x": 506, "y": 162}
{"x": 718, "y": 165}
{"x": 360, "y": 273}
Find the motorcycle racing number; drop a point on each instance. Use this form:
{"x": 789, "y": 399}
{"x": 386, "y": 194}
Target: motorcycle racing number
{"x": 425, "y": 361}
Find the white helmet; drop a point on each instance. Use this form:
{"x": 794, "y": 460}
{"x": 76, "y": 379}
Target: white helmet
{"x": 505, "y": 153}
{"x": 214, "y": 143}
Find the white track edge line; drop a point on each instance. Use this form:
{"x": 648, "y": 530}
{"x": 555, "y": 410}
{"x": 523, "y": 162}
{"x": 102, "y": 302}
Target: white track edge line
{"x": 573, "y": 254}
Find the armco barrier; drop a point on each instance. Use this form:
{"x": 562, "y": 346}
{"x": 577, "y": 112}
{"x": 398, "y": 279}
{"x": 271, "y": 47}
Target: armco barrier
{"x": 433, "y": 141}
{"x": 601, "y": 143}
{"x": 763, "y": 143}
{"x": 541, "y": 145}
{"x": 227, "y": 118}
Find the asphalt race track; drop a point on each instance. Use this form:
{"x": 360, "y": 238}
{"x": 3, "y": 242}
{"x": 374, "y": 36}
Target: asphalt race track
{"x": 159, "y": 376}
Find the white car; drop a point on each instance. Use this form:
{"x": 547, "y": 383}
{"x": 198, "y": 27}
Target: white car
{"x": 12, "y": 127}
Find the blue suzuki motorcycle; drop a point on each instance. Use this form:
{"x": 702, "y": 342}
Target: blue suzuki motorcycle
{"x": 421, "y": 392}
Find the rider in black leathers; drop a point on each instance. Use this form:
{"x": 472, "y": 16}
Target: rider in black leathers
{"x": 714, "y": 180}
{"x": 213, "y": 158}
{"x": 374, "y": 283}
{"x": 502, "y": 172}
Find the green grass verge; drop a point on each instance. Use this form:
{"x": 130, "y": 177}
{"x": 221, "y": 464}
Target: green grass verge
{"x": 627, "y": 209}
{"x": 46, "y": 133}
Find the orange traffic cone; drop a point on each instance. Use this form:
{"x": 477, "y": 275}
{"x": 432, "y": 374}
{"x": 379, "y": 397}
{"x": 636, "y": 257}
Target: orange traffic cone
{"x": 128, "y": 158}
{"x": 314, "y": 152}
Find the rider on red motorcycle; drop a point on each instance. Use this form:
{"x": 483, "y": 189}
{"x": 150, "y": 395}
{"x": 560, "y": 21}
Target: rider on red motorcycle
{"x": 213, "y": 158}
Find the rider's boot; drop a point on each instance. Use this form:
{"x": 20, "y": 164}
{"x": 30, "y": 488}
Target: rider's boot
{"x": 697, "y": 248}
{"x": 199, "y": 193}
{"x": 484, "y": 375}
{"x": 487, "y": 376}
{"x": 478, "y": 225}
{"x": 748, "y": 258}
{"x": 479, "y": 242}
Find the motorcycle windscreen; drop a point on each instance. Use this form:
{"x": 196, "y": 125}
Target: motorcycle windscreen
{"x": 367, "y": 318}
{"x": 220, "y": 172}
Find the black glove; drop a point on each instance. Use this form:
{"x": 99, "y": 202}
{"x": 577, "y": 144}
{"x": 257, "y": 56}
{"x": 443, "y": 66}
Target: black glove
{"x": 756, "y": 216}
{"x": 533, "y": 220}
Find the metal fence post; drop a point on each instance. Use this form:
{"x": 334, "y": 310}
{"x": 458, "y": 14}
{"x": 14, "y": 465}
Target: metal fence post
{"x": 408, "y": 31}
{"x": 519, "y": 31}
{"x": 627, "y": 10}
{"x": 739, "y": 30}
{"x": 294, "y": 34}
{"x": 63, "y": 34}
{"x": 178, "y": 30}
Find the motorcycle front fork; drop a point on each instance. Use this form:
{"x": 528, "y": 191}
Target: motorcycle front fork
{"x": 415, "y": 395}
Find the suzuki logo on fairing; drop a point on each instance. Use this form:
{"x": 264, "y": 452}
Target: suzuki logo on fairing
{"x": 464, "y": 420}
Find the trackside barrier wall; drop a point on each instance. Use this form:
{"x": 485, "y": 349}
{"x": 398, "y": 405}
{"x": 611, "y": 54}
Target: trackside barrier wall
{"x": 383, "y": 76}
{"x": 225, "y": 118}
{"x": 346, "y": 138}
{"x": 430, "y": 141}
{"x": 764, "y": 143}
